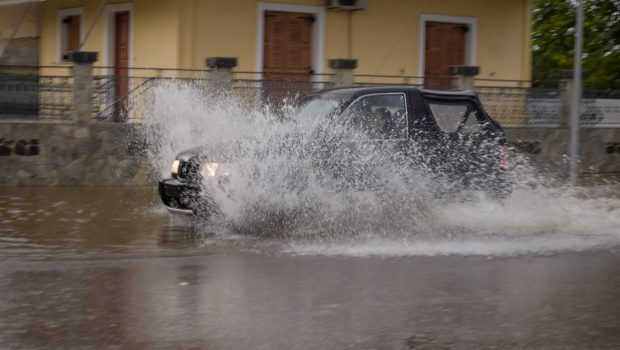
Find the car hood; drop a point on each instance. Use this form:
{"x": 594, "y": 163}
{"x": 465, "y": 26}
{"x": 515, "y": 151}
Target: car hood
{"x": 221, "y": 152}
{"x": 229, "y": 152}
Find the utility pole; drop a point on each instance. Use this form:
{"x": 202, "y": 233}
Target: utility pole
{"x": 576, "y": 103}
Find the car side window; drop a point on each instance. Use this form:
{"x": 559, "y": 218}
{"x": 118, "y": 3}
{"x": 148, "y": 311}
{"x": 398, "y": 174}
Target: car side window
{"x": 453, "y": 117}
{"x": 380, "y": 116}
{"x": 471, "y": 124}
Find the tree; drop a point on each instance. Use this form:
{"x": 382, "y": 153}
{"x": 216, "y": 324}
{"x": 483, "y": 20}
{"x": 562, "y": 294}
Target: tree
{"x": 553, "y": 42}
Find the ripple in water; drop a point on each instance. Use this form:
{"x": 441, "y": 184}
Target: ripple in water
{"x": 277, "y": 193}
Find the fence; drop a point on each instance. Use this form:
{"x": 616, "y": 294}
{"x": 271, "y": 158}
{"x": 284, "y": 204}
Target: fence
{"x": 46, "y": 93}
{"x": 36, "y": 92}
{"x": 108, "y": 105}
{"x": 542, "y": 107}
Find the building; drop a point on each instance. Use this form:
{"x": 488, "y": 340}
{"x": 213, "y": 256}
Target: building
{"x": 387, "y": 37}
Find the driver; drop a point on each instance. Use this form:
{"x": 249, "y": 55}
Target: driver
{"x": 377, "y": 123}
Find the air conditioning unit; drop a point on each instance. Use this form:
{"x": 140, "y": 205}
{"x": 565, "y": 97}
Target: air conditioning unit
{"x": 348, "y": 5}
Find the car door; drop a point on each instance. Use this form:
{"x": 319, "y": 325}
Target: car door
{"x": 374, "y": 127}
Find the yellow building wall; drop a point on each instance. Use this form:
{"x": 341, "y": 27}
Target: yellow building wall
{"x": 155, "y": 31}
{"x": 385, "y": 37}
{"x": 9, "y": 21}
{"x": 19, "y": 33}
{"x": 228, "y": 28}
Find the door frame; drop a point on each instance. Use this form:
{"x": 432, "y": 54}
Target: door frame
{"x": 318, "y": 32}
{"x": 109, "y": 35}
{"x": 471, "y": 39}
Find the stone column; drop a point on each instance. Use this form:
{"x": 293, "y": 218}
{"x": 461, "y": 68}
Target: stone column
{"x": 221, "y": 76}
{"x": 343, "y": 70}
{"x": 464, "y": 76}
{"x": 82, "y": 86}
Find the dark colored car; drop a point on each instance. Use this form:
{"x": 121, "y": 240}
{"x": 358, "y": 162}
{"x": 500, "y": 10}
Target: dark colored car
{"x": 455, "y": 140}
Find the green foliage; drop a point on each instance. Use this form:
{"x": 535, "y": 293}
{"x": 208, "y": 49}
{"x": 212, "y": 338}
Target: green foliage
{"x": 553, "y": 42}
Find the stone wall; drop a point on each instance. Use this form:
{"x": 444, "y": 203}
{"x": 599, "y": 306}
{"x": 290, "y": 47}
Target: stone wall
{"x": 548, "y": 148}
{"x": 47, "y": 154}
{"x": 44, "y": 154}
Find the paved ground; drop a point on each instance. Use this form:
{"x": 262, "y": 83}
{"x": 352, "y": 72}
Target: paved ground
{"x": 103, "y": 269}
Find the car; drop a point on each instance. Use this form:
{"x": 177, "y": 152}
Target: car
{"x": 446, "y": 134}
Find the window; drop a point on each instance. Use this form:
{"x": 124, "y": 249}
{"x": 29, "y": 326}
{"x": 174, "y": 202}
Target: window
{"x": 69, "y": 33}
{"x": 433, "y": 58}
{"x": 380, "y": 116}
{"x": 453, "y": 117}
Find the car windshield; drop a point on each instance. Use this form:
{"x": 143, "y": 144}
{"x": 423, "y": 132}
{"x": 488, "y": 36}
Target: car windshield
{"x": 318, "y": 108}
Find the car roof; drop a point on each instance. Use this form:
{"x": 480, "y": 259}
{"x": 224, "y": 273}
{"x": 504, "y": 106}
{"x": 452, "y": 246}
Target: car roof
{"x": 357, "y": 90}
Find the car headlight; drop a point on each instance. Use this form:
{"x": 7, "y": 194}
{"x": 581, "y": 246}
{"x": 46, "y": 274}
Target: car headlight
{"x": 209, "y": 169}
{"x": 175, "y": 168}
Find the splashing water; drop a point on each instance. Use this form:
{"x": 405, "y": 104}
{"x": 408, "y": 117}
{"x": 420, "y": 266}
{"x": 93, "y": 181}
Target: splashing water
{"x": 277, "y": 192}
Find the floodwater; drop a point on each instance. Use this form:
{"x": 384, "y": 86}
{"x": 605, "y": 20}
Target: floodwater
{"x": 300, "y": 260}
{"x": 103, "y": 268}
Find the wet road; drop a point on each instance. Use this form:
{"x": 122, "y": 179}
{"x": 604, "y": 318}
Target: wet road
{"x": 102, "y": 269}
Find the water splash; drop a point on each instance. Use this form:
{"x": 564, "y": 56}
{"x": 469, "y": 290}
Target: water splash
{"x": 277, "y": 192}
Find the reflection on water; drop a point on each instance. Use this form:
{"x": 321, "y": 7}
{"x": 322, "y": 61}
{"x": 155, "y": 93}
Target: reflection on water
{"x": 46, "y": 223}
{"x": 102, "y": 269}
{"x": 231, "y": 300}
{"x": 65, "y": 221}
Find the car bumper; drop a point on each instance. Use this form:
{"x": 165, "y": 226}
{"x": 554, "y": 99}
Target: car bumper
{"x": 179, "y": 197}
{"x": 181, "y": 212}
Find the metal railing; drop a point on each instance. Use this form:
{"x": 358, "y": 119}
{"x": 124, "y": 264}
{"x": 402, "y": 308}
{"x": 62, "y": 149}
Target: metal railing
{"x": 249, "y": 87}
{"x": 541, "y": 107}
{"x": 110, "y": 105}
{"x": 46, "y": 93}
{"x": 277, "y": 89}
{"x": 35, "y": 93}
{"x": 369, "y": 79}
{"x": 507, "y": 105}
{"x": 601, "y": 108}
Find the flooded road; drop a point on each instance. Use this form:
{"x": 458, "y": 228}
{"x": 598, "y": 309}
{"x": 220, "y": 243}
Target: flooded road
{"x": 102, "y": 268}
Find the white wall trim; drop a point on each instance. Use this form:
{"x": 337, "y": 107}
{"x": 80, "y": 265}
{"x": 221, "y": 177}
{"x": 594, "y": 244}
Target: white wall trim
{"x": 60, "y": 29}
{"x": 108, "y": 34}
{"x": 471, "y": 39}
{"x": 318, "y": 32}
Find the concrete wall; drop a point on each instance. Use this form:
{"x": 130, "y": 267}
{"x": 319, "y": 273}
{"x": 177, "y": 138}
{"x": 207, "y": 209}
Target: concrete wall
{"x": 43, "y": 154}
{"x": 385, "y": 37}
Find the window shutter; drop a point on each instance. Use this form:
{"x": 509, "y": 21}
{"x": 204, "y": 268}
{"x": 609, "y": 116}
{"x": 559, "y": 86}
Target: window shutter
{"x": 73, "y": 32}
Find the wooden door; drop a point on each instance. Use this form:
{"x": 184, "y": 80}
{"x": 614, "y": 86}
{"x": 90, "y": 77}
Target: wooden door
{"x": 445, "y": 46}
{"x": 287, "y": 53}
{"x": 121, "y": 62}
